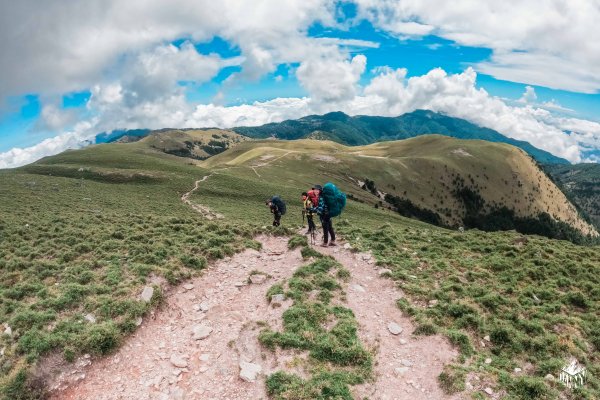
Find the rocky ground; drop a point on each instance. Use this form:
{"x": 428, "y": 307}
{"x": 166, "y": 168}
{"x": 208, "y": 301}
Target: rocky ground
{"x": 202, "y": 343}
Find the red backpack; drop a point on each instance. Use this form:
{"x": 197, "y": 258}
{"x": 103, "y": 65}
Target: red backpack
{"x": 314, "y": 197}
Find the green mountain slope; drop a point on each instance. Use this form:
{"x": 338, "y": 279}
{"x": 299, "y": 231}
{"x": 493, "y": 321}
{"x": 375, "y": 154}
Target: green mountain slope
{"x": 437, "y": 178}
{"x": 581, "y": 184}
{"x": 362, "y": 129}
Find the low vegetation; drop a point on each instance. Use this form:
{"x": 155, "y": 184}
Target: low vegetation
{"x": 525, "y": 303}
{"x": 317, "y": 324}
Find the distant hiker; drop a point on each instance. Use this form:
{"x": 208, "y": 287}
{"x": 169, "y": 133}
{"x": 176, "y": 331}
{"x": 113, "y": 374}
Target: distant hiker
{"x": 277, "y": 206}
{"x": 331, "y": 203}
{"x": 307, "y": 210}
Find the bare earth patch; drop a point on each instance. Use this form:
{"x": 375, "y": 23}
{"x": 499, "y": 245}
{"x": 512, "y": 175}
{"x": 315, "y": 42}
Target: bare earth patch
{"x": 163, "y": 360}
{"x": 325, "y": 157}
{"x": 406, "y": 366}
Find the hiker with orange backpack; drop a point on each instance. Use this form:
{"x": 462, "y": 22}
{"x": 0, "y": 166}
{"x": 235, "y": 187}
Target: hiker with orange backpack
{"x": 307, "y": 206}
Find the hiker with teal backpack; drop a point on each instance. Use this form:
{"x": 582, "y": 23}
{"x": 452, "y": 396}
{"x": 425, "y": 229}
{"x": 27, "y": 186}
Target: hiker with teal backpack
{"x": 331, "y": 203}
{"x": 277, "y": 206}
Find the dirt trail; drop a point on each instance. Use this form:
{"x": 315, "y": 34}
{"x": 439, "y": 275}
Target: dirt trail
{"x": 203, "y": 210}
{"x": 162, "y": 360}
{"x": 406, "y": 366}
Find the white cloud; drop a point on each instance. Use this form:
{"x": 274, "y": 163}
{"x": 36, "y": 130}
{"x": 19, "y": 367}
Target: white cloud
{"x": 329, "y": 79}
{"x": 529, "y": 96}
{"x": 549, "y": 43}
{"x": 388, "y": 93}
{"x": 121, "y": 52}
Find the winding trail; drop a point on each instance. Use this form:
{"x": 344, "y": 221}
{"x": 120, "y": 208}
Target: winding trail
{"x": 203, "y": 210}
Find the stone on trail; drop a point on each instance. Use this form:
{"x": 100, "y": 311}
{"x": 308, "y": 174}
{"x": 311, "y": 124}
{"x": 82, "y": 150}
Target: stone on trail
{"x": 90, "y": 318}
{"x": 384, "y": 271}
{"x": 249, "y": 371}
{"x": 147, "y": 294}
{"x": 406, "y": 363}
{"x": 401, "y": 370}
{"x": 201, "y": 331}
{"x": 7, "y": 330}
{"x": 347, "y": 246}
{"x": 188, "y": 286}
{"x": 204, "y": 306}
{"x": 178, "y": 361}
{"x": 489, "y": 391}
{"x": 257, "y": 279}
{"x": 394, "y": 328}
{"x": 277, "y": 300}
{"x": 358, "y": 288}
{"x": 488, "y": 360}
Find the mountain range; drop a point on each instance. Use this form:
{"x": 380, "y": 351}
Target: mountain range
{"x": 362, "y": 129}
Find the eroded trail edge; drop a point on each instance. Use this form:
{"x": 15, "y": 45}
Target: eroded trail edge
{"x": 203, "y": 342}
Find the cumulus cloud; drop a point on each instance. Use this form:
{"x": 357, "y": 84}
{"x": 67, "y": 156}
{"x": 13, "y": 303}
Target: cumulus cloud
{"x": 122, "y": 53}
{"x": 389, "y": 93}
{"x": 328, "y": 79}
{"x": 551, "y": 43}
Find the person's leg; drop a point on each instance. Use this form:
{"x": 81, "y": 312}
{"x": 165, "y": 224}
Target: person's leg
{"x": 325, "y": 224}
{"x": 311, "y": 224}
{"x": 331, "y": 233}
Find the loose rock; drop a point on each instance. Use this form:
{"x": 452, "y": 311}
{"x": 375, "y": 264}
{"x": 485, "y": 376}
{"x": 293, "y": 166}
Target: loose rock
{"x": 394, "y": 328}
{"x": 201, "y": 331}
{"x": 90, "y": 318}
{"x": 147, "y": 294}
{"x": 277, "y": 300}
{"x": 358, "y": 288}
{"x": 249, "y": 371}
{"x": 488, "y": 360}
{"x": 178, "y": 361}
{"x": 257, "y": 279}
{"x": 188, "y": 286}
{"x": 489, "y": 391}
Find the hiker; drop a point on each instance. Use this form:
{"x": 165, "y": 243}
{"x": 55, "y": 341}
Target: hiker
{"x": 277, "y": 206}
{"x": 307, "y": 206}
{"x": 331, "y": 203}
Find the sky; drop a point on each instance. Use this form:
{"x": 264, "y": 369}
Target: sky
{"x": 69, "y": 70}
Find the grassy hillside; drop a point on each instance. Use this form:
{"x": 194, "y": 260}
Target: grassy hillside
{"x": 82, "y": 233}
{"x": 581, "y": 183}
{"x": 432, "y": 173}
{"x": 195, "y": 144}
{"x": 363, "y": 129}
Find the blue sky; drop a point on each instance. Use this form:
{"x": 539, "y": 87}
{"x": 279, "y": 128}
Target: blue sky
{"x": 336, "y": 61}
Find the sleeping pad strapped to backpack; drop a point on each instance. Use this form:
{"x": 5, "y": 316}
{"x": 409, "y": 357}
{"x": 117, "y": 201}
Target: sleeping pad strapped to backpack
{"x": 314, "y": 197}
{"x": 334, "y": 198}
{"x": 279, "y": 203}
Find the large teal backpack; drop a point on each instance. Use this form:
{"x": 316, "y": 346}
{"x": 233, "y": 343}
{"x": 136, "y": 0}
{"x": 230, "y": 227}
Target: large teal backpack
{"x": 334, "y": 198}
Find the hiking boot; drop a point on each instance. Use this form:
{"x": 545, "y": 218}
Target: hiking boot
{"x": 332, "y": 244}
{"x": 324, "y": 244}
{"x": 307, "y": 232}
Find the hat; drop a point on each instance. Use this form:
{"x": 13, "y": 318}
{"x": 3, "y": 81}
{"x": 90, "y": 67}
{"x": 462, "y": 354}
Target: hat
{"x": 318, "y": 187}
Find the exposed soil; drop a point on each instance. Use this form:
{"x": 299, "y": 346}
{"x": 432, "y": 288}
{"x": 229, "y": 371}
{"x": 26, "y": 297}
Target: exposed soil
{"x": 162, "y": 360}
{"x": 202, "y": 209}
